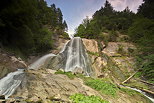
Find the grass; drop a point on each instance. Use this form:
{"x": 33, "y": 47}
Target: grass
{"x": 80, "y": 98}
{"x": 68, "y": 74}
{"x": 103, "y": 86}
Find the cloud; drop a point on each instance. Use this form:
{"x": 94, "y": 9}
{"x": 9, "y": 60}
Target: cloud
{"x": 122, "y": 4}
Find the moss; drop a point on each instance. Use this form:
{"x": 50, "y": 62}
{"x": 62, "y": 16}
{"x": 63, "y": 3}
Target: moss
{"x": 68, "y": 74}
{"x": 93, "y": 53}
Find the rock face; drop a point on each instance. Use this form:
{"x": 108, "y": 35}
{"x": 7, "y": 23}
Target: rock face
{"x": 111, "y": 63}
{"x": 120, "y": 52}
{"x": 43, "y": 84}
{"x": 10, "y": 64}
{"x": 91, "y": 45}
{"x": 113, "y": 47}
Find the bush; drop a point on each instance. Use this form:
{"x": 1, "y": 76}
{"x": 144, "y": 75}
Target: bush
{"x": 80, "y": 98}
{"x": 102, "y": 86}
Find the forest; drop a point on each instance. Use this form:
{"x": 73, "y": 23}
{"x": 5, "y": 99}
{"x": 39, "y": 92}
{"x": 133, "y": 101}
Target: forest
{"x": 139, "y": 28}
{"x": 28, "y": 26}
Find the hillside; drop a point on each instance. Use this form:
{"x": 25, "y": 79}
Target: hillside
{"x": 137, "y": 28}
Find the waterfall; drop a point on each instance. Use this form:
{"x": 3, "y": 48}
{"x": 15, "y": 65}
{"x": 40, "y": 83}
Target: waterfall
{"x": 37, "y": 64}
{"x": 9, "y": 84}
{"x": 73, "y": 57}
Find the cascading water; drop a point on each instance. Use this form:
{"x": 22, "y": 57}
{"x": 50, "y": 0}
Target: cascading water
{"x": 11, "y": 82}
{"x": 73, "y": 58}
{"x": 40, "y": 62}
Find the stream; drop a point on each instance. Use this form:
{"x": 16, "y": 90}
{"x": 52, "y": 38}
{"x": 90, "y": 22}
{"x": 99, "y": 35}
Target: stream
{"x": 144, "y": 93}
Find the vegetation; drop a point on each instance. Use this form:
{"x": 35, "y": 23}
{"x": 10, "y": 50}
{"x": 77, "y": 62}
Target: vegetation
{"x": 102, "y": 86}
{"x": 139, "y": 28}
{"x": 105, "y": 20}
{"x": 80, "y": 98}
{"x": 93, "y": 53}
{"x": 68, "y": 74}
{"x": 28, "y": 26}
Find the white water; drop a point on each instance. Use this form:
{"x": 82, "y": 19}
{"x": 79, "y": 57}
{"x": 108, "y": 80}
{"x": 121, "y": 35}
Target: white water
{"x": 73, "y": 57}
{"x": 64, "y": 47}
{"x": 37, "y": 64}
{"x": 77, "y": 57}
{"x": 10, "y": 83}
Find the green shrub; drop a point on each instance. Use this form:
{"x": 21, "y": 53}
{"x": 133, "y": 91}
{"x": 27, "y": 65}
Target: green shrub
{"x": 102, "y": 86}
{"x": 80, "y": 98}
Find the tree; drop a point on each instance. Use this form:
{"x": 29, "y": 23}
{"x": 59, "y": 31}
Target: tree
{"x": 147, "y": 9}
{"x": 65, "y": 26}
{"x": 80, "y": 31}
{"x": 24, "y": 25}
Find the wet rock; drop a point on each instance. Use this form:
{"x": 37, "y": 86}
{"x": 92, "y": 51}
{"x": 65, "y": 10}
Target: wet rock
{"x": 10, "y": 64}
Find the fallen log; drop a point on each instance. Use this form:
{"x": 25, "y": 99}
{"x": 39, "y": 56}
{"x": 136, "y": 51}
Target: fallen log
{"x": 145, "y": 82}
{"x": 129, "y": 78}
{"x": 148, "y": 91}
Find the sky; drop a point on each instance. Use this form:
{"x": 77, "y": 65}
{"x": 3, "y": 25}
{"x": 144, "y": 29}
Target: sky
{"x": 74, "y": 11}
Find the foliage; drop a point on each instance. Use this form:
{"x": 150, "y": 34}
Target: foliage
{"x": 141, "y": 32}
{"x": 139, "y": 27}
{"x": 102, "y": 86}
{"x": 68, "y": 74}
{"x": 80, "y": 98}
{"x": 25, "y": 25}
{"x": 146, "y": 64}
{"x": 105, "y": 19}
{"x": 147, "y": 9}
{"x": 65, "y": 35}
